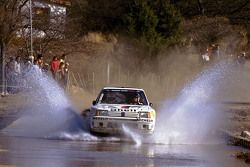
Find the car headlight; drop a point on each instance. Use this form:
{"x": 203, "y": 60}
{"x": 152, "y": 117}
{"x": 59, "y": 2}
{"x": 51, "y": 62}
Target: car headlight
{"x": 147, "y": 114}
{"x": 101, "y": 113}
{"x": 144, "y": 115}
{"x": 151, "y": 114}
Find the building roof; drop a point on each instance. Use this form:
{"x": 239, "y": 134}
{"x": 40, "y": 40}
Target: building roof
{"x": 56, "y": 2}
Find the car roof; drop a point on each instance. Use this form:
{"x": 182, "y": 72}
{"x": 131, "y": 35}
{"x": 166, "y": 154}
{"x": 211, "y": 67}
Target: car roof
{"x": 122, "y": 88}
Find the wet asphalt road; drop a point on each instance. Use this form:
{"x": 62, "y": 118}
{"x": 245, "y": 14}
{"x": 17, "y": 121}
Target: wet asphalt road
{"x": 27, "y": 152}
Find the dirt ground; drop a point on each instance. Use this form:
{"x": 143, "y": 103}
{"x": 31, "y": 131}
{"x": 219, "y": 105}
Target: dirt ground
{"x": 237, "y": 118}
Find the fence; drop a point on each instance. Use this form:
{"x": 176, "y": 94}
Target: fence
{"x": 93, "y": 81}
{"x": 155, "y": 84}
{"x": 85, "y": 82}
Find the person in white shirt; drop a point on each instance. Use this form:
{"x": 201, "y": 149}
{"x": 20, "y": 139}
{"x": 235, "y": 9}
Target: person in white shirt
{"x": 36, "y": 68}
{"x": 17, "y": 66}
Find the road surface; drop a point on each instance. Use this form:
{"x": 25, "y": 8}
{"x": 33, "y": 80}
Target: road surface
{"x": 20, "y": 151}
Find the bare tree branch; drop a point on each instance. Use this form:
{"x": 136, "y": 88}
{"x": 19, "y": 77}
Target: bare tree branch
{"x": 240, "y": 7}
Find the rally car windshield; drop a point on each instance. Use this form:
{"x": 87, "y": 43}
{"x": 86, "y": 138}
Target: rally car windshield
{"x": 131, "y": 97}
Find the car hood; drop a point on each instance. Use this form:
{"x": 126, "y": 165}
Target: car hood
{"x": 123, "y": 107}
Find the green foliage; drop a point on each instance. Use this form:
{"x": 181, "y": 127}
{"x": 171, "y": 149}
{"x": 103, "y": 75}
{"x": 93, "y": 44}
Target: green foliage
{"x": 154, "y": 23}
{"x": 229, "y": 8}
{"x": 140, "y": 22}
{"x": 204, "y": 31}
{"x": 151, "y": 24}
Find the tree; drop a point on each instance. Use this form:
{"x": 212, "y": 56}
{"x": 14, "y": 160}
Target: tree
{"x": 205, "y": 30}
{"x": 229, "y": 8}
{"x": 99, "y": 15}
{"x": 49, "y": 28}
{"x": 10, "y": 22}
{"x": 140, "y": 22}
{"x": 150, "y": 24}
{"x": 154, "y": 23}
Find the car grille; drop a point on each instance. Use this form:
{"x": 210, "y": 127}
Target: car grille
{"x": 124, "y": 114}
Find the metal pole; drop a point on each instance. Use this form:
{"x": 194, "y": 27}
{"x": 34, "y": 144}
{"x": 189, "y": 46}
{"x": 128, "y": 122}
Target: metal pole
{"x": 31, "y": 30}
{"x": 2, "y": 53}
{"x": 93, "y": 83}
{"x": 108, "y": 74}
{"x": 119, "y": 74}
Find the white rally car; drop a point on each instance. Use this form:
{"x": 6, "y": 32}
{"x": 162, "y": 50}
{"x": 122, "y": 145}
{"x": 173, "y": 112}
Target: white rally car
{"x": 116, "y": 107}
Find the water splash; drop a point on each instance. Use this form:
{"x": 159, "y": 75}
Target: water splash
{"x": 50, "y": 115}
{"x": 82, "y": 136}
{"x": 73, "y": 136}
{"x": 134, "y": 136}
{"x": 48, "y": 112}
{"x": 193, "y": 116}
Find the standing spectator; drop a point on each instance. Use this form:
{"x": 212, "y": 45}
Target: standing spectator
{"x": 18, "y": 72}
{"x": 36, "y": 68}
{"x": 54, "y": 67}
{"x": 206, "y": 57}
{"x": 61, "y": 73}
{"x": 31, "y": 58}
{"x": 17, "y": 67}
{"x": 28, "y": 64}
{"x": 26, "y": 71}
{"x": 45, "y": 68}
{"x": 10, "y": 74}
{"x": 40, "y": 60}
{"x": 212, "y": 53}
{"x": 10, "y": 65}
{"x": 66, "y": 75}
{"x": 241, "y": 59}
{"x": 215, "y": 51}
{"x": 63, "y": 58}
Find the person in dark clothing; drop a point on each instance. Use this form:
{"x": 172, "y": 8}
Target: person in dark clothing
{"x": 40, "y": 60}
{"x": 241, "y": 59}
{"x": 136, "y": 100}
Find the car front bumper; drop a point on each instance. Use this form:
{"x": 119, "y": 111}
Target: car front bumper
{"x": 116, "y": 125}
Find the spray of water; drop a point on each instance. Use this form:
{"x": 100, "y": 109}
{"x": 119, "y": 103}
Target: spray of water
{"x": 82, "y": 136}
{"x": 193, "y": 116}
{"x": 50, "y": 114}
{"x": 133, "y": 135}
{"x": 49, "y": 110}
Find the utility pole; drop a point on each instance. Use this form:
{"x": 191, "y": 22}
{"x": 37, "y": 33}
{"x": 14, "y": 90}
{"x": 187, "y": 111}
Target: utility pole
{"x": 31, "y": 29}
{"x": 108, "y": 73}
{"x": 2, "y": 54}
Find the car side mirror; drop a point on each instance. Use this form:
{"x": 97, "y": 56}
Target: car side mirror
{"x": 151, "y": 104}
{"x": 94, "y": 102}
